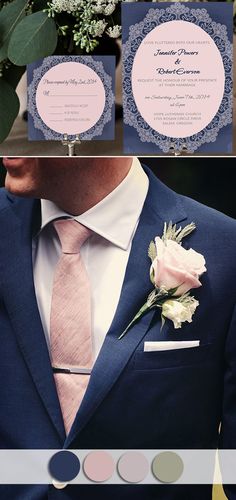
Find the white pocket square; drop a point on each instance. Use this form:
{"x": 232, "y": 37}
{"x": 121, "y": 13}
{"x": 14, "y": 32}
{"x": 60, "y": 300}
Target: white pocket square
{"x": 170, "y": 345}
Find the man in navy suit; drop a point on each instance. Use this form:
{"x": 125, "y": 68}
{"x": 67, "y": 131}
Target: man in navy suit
{"x": 135, "y": 399}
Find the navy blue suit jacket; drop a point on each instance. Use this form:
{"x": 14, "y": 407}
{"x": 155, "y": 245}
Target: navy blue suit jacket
{"x": 135, "y": 399}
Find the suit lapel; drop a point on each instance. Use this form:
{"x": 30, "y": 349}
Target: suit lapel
{"x": 161, "y": 205}
{"x": 20, "y": 302}
{"x": 19, "y": 297}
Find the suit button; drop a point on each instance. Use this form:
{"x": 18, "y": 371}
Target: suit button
{"x": 58, "y": 485}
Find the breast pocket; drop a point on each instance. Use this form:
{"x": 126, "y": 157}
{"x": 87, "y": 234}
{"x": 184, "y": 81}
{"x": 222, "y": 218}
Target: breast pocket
{"x": 176, "y": 358}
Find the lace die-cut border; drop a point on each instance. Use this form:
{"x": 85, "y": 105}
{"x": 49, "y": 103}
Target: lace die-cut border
{"x": 137, "y": 33}
{"x": 98, "y": 67}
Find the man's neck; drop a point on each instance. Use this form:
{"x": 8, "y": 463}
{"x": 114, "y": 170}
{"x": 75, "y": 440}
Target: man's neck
{"x": 91, "y": 183}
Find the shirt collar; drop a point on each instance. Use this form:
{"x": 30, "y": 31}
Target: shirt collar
{"x": 116, "y": 216}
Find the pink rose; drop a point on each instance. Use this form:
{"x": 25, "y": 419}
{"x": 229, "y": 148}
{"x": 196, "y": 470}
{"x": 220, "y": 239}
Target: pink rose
{"x": 176, "y": 267}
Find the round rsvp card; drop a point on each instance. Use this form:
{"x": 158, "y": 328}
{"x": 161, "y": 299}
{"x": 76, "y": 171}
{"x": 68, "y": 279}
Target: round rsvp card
{"x": 70, "y": 98}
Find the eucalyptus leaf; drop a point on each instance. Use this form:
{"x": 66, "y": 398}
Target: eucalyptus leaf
{"x": 9, "y": 108}
{"x": 34, "y": 37}
{"x": 10, "y": 15}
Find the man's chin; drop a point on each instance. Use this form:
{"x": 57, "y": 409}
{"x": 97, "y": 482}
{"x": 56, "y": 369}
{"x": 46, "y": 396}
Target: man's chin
{"x": 18, "y": 186}
{"x": 20, "y": 176}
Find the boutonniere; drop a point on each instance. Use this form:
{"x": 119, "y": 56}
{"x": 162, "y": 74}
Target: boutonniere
{"x": 174, "y": 272}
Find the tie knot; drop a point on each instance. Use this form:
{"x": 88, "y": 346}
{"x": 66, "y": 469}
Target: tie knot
{"x": 72, "y": 235}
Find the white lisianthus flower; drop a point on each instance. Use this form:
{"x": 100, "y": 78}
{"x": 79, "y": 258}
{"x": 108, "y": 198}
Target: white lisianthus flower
{"x": 178, "y": 311}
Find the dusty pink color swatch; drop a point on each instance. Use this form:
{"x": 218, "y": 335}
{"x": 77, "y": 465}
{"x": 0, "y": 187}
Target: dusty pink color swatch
{"x": 133, "y": 467}
{"x": 99, "y": 466}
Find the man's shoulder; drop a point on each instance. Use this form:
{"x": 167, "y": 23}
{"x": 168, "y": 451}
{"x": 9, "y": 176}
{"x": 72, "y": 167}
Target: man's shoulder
{"x": 8, "y": 199}
{"x": 209, "y": 218}
{"x": 169, "y": 203}
{"x": 4, "y": 199}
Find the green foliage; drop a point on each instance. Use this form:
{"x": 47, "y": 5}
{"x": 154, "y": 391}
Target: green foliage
{"x": 152, "y": 252}
{"x": 33, "y": 38}
{"x": 10, "y": 15}
{"x": 172, "y": 233}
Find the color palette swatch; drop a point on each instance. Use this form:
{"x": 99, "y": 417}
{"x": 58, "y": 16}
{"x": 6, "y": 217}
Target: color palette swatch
{"x": 63, "y": 467}
{"x": 133, "y": 467}
{"x": 100, "y": 466}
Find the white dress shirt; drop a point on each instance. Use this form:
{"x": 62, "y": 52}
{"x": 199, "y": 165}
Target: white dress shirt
{"x": 105, "y": 254}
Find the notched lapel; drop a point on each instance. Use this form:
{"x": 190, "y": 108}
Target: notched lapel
{"x": 115, "y": 354}
{"x": 19, "y": 296}
{"x": 21, "y": 304}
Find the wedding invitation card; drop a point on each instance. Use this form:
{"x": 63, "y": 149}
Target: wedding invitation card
{"x": 177, "y": 77}
{"x": 72, "y": 96}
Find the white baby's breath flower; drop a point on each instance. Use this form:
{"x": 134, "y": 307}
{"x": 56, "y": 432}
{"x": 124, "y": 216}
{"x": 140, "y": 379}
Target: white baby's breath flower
{"x": 114, "y": 31}
{"x": 97, "y": 28}
{"x": 65, "y": 5}
{"x": 109, "y": 9}
{"x": 89, "y": 25}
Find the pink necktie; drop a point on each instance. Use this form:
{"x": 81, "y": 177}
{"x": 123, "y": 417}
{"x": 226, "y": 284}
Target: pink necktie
{"x": 70, "y": 329}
